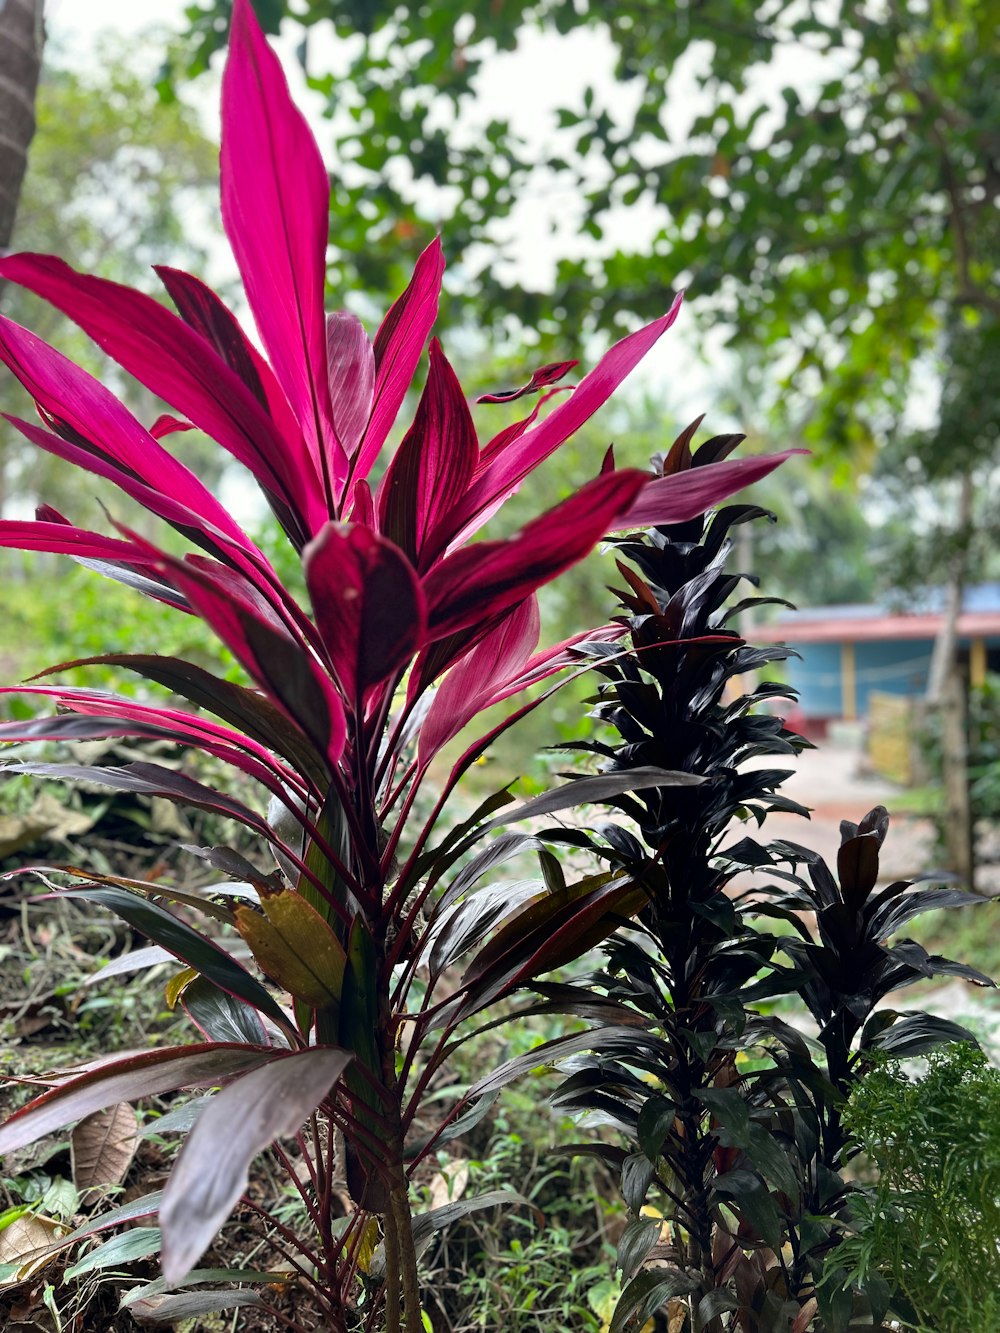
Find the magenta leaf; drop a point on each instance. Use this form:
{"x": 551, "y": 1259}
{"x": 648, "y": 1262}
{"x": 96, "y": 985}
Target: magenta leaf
{"x": 433, "y": 466}
{"x": 541, "y": 379}
{"x": 477, "y": 583}
{"x": 352, "y": 377}
{"x": 167, "y": 425}
{"x": 94, "y": 420}
{"x": 368, "y": 603}
{"x": 473, "y": 682}
{"x": 270, "y": 1102}
{"x": 144, "y": 1075}
{"x": 686, "y": 495}
{"x": 275, "y": 208}
{"x": 522, "y": 455}
{"x": 281, "y": 664}
{"x": 398, "y": 345}
{"x": 250, "y": 711}
{"x": 172, "y": 360}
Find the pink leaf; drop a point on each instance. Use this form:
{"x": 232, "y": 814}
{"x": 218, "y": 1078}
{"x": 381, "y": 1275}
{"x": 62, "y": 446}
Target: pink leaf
{"x": 275, "y": 208}
{"x": 541, "y": 379}
{"x": 63, "y": 539}
{"x": 97, "y": 422}
{"x": 476, "y": 583}
{"x": 398, "y": 345}
{"x": 280, "y": 663}
{"x": 434, "y": 465}
{"x": 173, "y": 361}
{"x": 523, "y": 455}
{"x": 168, "y": 425}
{"x": 686, "y": 495}
{"x": 352, "y": 377}
{"x": 368, "y": 603}
{"x": 473, "y": 682}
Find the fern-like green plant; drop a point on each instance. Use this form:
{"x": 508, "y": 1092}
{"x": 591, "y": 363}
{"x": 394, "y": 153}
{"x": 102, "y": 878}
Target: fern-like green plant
{"x": 931, "y": 1223}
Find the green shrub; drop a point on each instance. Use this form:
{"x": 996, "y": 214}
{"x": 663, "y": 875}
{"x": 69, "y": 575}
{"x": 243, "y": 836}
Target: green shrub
{"x": 931, "y": 1222}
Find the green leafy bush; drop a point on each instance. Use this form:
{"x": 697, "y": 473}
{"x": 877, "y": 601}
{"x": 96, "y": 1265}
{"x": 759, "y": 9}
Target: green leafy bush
{"x": 930, "y": 1224}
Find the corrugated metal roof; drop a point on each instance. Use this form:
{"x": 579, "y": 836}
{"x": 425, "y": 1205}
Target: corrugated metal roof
{"x": 858, "y": 623}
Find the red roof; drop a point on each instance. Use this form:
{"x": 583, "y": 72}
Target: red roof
{"x": 858, "y": 629}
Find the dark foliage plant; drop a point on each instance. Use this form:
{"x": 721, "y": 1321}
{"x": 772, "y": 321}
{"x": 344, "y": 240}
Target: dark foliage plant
{"x": 732, "y": 1146}
{"x": 361, "y": 956}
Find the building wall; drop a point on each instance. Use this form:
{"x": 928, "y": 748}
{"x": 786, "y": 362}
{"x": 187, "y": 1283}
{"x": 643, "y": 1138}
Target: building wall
{"x": 897, "y": 666}
{"x": 884, "y": 666}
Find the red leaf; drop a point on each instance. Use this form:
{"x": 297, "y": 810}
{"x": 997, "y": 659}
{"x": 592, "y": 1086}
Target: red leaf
{"x": 524, "y": 454}
{"x": 479, "y": 582}
{"x": 97, "y": 423}
{"x": 174, "y": 362}
{"x": 352, "y": 377}
{"x": 368, "y": 603}
{"x": 282, "y": 665}
{"x": 475, "y": 682}
{"x": 686, "y": 495}
{"x": 541, "y": 379}
{"x": 275, "y": 208}
{"x": 398, "y": 345}
{"x": 434, "y": 465}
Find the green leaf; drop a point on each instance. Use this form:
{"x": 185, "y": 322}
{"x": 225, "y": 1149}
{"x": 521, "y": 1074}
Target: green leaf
{"x": 187, "y": 944}
{"x": 139, "y": 1243}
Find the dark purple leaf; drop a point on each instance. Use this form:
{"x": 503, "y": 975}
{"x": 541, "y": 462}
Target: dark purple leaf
{"x": 240, "y": 1122}
{"x": 146, "y": 1074}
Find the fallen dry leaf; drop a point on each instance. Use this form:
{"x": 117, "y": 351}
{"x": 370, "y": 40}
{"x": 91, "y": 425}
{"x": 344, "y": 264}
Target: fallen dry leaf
{"x": 103, "y": 1146}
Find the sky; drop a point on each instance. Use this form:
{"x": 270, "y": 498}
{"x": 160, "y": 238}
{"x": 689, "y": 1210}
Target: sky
{"x": 525, "y": 87}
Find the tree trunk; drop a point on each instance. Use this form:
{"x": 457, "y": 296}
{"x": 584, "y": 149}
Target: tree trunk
{"x": 21, "y": 38}
{"x": 946, "y": 694}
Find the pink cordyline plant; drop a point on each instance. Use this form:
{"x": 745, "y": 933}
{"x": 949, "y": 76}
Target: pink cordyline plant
{"x": 412, "y": 631}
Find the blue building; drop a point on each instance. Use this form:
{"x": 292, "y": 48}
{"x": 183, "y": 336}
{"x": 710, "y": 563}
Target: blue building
{"x": 849, "y": 653}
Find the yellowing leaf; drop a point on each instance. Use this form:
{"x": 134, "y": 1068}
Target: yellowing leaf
{"x": 295, "y": 946}
{"x": 175, "y": 986}
{"x": 366, "y": 1248}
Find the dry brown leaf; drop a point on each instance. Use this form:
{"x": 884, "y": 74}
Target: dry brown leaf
{"x": 677, "y": 1313}
{"x": 103, "y": 1146}
{"x": 449, "y": 1183}
{"x": 26, "y": 1242}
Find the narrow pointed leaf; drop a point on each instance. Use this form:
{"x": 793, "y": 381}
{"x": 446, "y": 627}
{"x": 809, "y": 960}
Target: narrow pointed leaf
{"x": 523, "y": 455}
{"x": 484, "y": 580}
{"x": 431, "y": 471}
{"x": 352, "y": 377}
{"x": 398, "y": 345}
{"x": 686, "y": 495}
{"x": 211, "y": 1172}
{"x": 369, "y": 605}
{"x": 172, "y": 360}
{"x": 94, "y": 418}
{"x": 541, "y": 379}
{"x": 184, "y": 943}
{"x": 144, "y": 1075}
{"x": 595, "y": 789}
{"x": 275, "y": 208}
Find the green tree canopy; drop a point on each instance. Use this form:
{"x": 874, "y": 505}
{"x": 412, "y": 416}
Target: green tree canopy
{"x": 825, "y": 176}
